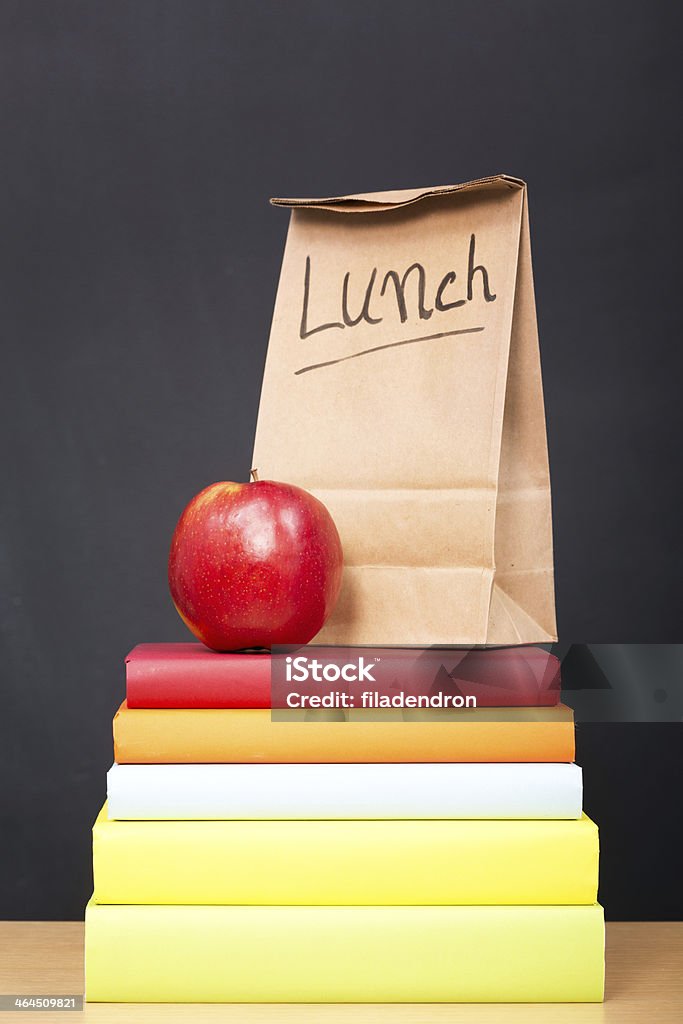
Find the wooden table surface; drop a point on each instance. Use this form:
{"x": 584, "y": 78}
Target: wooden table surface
{"x": 644, "y": 984}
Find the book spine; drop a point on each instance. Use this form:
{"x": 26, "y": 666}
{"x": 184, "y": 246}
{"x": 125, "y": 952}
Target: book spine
{"x": 160, "y": 792}
{"x": 237, "y": 736}
{"x": 344, "y": 954}
{"x": 394, "y": 862}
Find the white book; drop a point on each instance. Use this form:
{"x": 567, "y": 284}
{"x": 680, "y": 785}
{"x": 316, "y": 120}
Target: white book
{"x": 323, "y": 791}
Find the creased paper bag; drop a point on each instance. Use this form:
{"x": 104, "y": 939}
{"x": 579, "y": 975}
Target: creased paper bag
{"x": 403, "y": 387}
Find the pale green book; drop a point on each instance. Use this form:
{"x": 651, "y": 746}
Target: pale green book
{"x": 258, "y": 954}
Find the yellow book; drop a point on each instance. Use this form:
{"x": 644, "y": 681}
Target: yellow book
{"x": 438, "y": 861}
{"x": 344, "y": 954}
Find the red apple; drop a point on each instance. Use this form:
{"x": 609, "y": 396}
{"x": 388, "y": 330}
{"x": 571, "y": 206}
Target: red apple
{"x": 252, "y": 565}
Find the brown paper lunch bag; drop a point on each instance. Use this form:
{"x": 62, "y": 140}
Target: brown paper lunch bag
{"x": 403, "y": 387}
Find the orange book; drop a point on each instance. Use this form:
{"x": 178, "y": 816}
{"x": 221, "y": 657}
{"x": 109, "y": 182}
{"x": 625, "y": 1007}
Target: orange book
{"x": 234, "y": 735}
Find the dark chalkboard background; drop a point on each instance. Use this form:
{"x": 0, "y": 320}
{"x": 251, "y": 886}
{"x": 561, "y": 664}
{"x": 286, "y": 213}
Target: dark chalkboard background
{"x": 140, "y": 258}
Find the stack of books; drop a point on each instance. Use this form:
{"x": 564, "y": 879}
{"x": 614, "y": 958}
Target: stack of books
{"x": 372, "y": 859}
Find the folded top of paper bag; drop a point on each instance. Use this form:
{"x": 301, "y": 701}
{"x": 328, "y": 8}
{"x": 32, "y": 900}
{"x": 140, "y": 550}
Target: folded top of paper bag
{"x": 366, "y": 202}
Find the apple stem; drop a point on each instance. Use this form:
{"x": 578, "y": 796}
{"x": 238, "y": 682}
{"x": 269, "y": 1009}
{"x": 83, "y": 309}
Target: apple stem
{"x": 254, "y": 475}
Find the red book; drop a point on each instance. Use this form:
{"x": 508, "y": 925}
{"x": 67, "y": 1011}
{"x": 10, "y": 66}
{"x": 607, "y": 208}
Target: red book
{"x": 192, "y": 676}
{"x": 189, "y": 675}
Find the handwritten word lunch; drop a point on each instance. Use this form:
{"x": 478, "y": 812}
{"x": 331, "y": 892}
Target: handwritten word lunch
{"x": 395, "y": 292}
